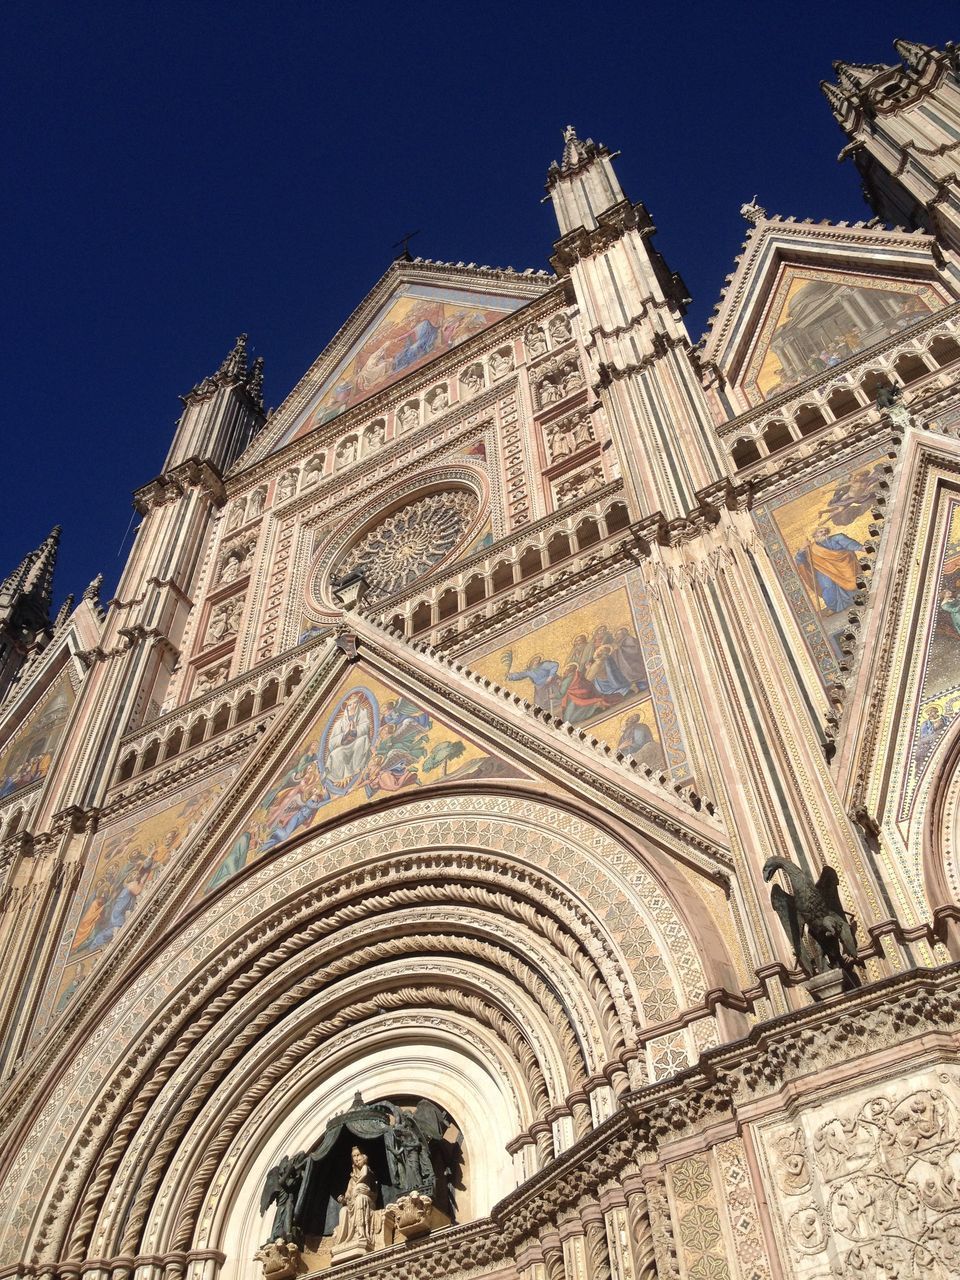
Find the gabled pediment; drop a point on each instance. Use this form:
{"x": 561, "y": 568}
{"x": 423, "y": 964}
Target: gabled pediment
{"x": 806, "y": 297}
{"x": 374, "y": 726}
{"x": 416, "y": 312}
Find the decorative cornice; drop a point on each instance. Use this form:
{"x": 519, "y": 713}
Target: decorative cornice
{"x": 611, "y": 226}
{"x": 195, "y": 473}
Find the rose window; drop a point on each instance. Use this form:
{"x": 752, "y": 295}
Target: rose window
{"x": 408, "y": 543}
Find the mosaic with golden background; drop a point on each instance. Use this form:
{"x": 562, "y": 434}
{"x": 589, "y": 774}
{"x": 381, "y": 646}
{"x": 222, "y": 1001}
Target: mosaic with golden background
{"x": 368, "y": 743}
{"x": 26, "y": 758}
{"x": 818, "y": 319}
{"x": 815, "y": 538}
{"x": 416, "y": 324}
{"x": 598, "y": 664}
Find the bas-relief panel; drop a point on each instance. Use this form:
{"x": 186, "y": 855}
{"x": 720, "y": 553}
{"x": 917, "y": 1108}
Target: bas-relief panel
{"x": 126, "y": 860}
{"x": 26, "y": 758}
{"x": 820, "y": 318}
{"x": 815, "y": 538}
{"x": 369, "y": 743}
{"x": 599, "y": 663}
{"x": 416, "y": 324}
{"x": 867, "y": 1186}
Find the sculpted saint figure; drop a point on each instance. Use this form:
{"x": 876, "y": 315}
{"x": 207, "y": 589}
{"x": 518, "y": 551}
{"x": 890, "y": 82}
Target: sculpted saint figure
{"x": 409, "y": 416}
{"x": 560, "y": 328}
{"x": 535, "y": 340}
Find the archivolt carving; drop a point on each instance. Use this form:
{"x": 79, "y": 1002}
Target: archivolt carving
{"x": 435, "y": 925}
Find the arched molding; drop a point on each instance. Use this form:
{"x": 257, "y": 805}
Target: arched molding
{"x": 569, "y": 950}
{"x": 940, "y": 836}
{"x": 443, "y": 1065}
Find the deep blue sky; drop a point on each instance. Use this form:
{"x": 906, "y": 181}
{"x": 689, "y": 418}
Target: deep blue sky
{"x": 179, "y": 172}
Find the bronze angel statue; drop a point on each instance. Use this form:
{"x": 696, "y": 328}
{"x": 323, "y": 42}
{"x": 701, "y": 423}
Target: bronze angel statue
{"x": 812, "y": 917}
{"x": 282, "y": 1188}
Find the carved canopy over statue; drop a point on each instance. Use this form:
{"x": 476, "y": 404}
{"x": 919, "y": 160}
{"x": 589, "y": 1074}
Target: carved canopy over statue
{"x": 404, "y": 1152}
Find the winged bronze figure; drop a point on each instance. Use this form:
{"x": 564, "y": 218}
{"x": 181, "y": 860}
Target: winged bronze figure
{"x": 813, "y": 918}
{"x": 281, "y": 1188}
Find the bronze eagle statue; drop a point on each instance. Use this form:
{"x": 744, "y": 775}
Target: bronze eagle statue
{"x": 814, "y": 920}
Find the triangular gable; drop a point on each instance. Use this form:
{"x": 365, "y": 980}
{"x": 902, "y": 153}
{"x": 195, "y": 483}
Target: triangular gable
{"x": 25, "y": 758}
{"x": 33, "y": 720}
{"x": 806, "y": 298}
{"x": 416, "y": 312}
{"x": 364, "y": 728}
{"x": 368, "y": 742}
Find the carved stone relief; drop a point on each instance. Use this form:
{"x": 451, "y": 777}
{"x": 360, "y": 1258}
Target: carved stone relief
{"x": 224, "y": 621}
{"x": 235, "y": 560}
{"x": 471, "y": 380}
{"x": 501, "y": 362}
{"x": 580, "y": 485}
{"x": 257, "y": 501}
{"x": 868, "y": 1186}
{"x": 408, "y": 416}
{"x": 374, "y": 436}
{"x": 238, "y": 511}
{"x": 346, "y": 452}
{"x": 535, "y": 341}
{"x": 560, "y": 329}
{"x": 313, "y": 471}
{"x": 210, "y": 678}
{"x": 559, "y": 378}
{"x": 287, "y": 485}
{"x": 438, "y": 399}
{"x": 569, "y": 436}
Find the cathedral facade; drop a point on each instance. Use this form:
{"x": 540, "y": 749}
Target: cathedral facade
{"x": 507, "y": 822}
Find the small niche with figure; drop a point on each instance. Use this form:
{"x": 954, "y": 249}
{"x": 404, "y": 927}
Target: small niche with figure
{"x": 381, "y": 1173}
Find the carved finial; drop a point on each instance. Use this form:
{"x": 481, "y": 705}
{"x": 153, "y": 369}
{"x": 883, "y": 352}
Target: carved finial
{"x": 854, "y": 75}
{"x": 255, "y": 382}
{"x": 63, "y": 613}
{"x": 92, "y": 591}
{"x": 234, "y": 366}
{"x": 752, "y": 211}
{"x": 574, "y": 151}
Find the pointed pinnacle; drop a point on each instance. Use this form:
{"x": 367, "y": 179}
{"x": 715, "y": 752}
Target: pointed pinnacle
{"x": 835, "y": 96}
{"x": 856, "y": 74}
{"x": 235, "y": 364}
{"x": 752, "y": 211}
{"x": 255, "y": 382}
{"x": 913, "y": 53}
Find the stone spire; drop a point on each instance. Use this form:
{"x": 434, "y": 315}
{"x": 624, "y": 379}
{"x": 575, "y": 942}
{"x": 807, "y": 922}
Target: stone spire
{"x": 886, "y": 113}
{"x": 752, "y": 211}
{"x": 26, "y": 597}
{"x": 33, "y": 576}
{"x": 635, "y": 332}
{"x": 854, "y": 75}
{"x": 222, "y": 413}
{"x": 914, "y": 55}
{"x": 583, "y": 185}
{"x": 255, "y": 382}
{"x": 232, "y": 371}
